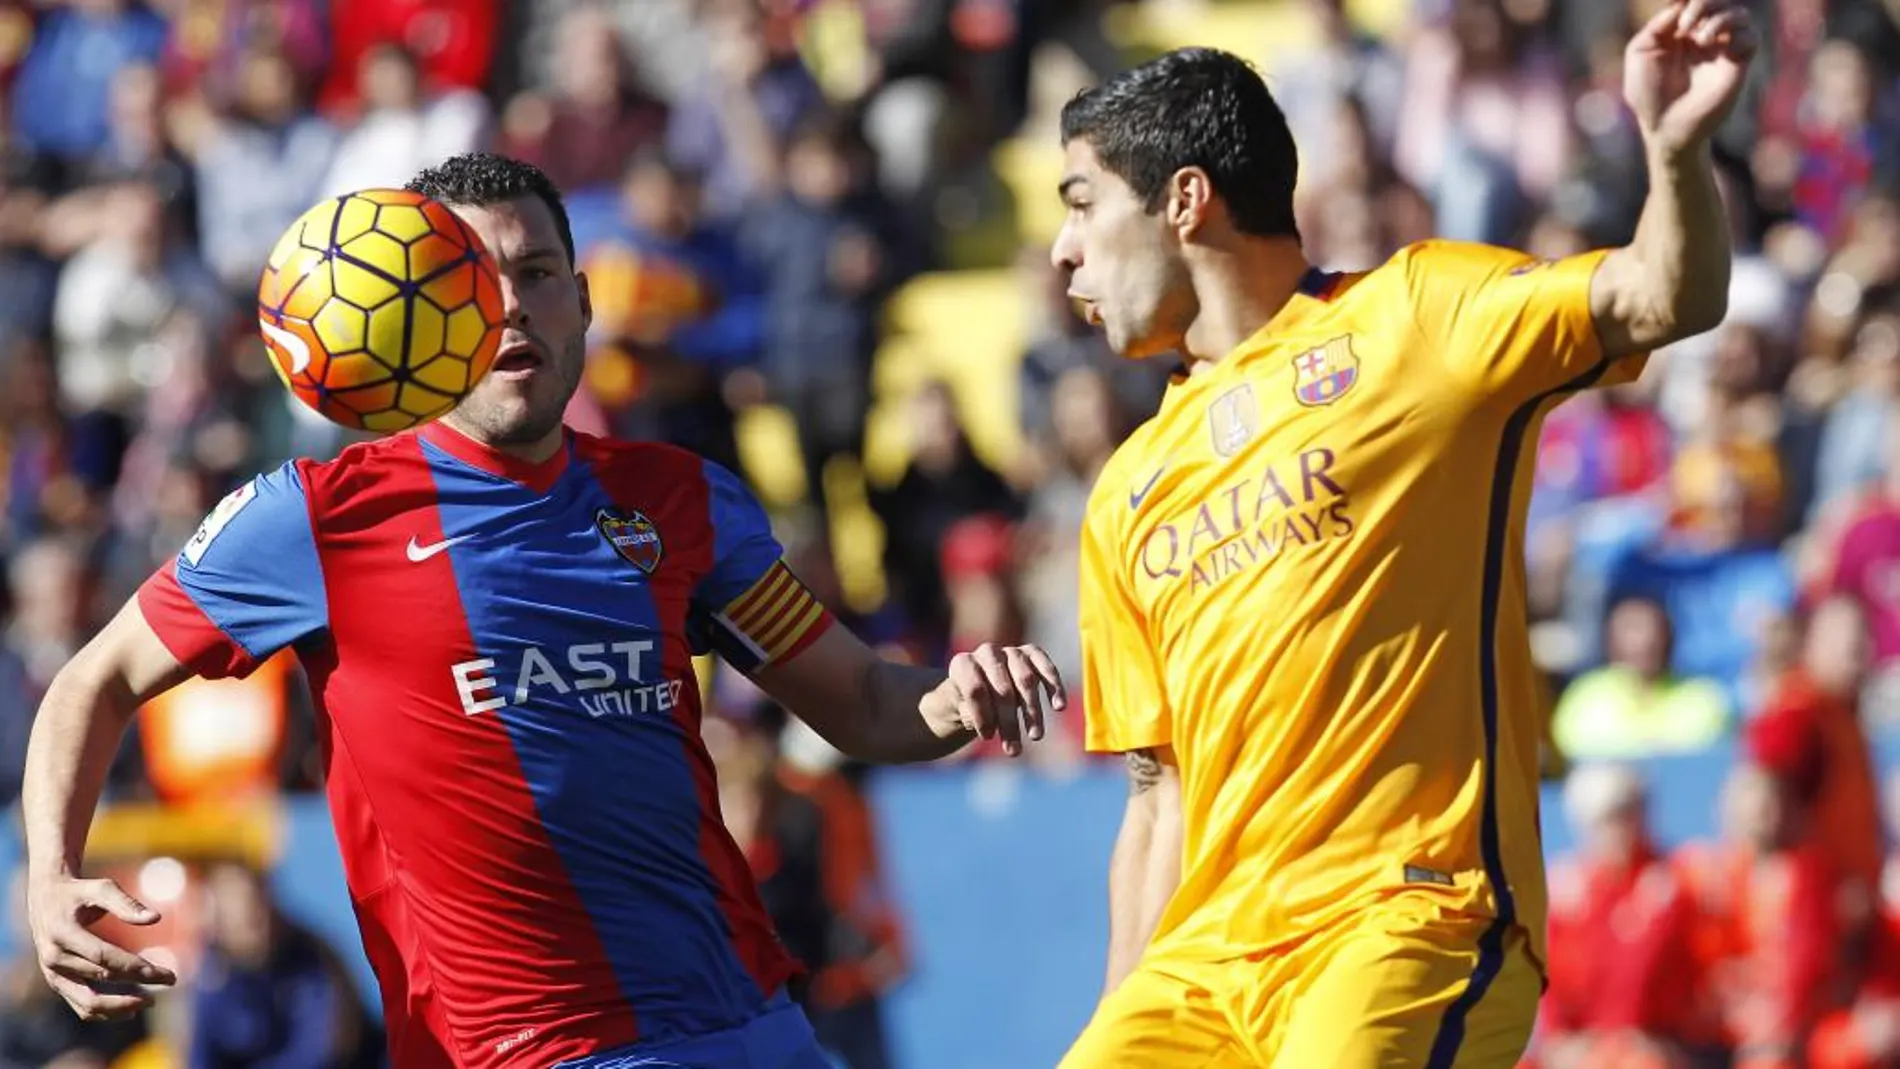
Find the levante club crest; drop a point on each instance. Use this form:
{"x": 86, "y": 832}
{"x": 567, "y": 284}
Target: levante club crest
{"x": 1323, "y": 375}
{"x": 633, "y": 536}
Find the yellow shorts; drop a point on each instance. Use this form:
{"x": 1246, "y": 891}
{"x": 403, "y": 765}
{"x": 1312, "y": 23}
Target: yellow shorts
{"x": 1397, "y": 986}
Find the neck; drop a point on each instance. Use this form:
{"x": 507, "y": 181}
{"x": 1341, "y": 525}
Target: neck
{"x": 533, "y": 452}
{"x": 1240, "y": 288}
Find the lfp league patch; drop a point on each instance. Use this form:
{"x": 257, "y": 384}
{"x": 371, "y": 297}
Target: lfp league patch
{"x": 232, "y": 503}
{"x": 633, "y": 536}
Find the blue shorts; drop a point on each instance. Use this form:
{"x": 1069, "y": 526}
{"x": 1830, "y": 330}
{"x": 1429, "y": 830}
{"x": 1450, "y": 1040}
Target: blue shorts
{"x": 779, "y": 1038}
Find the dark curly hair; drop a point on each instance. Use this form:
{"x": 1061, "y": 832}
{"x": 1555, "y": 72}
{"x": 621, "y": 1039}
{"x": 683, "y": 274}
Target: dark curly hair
{"x": 478, "y": 179}
{"x": 1194, "y": 107}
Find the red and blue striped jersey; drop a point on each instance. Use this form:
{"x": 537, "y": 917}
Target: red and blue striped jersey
{"x": 501, "y": 654}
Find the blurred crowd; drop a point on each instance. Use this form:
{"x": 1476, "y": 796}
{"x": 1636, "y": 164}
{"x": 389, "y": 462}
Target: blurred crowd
{"x": 1714, "y": 551}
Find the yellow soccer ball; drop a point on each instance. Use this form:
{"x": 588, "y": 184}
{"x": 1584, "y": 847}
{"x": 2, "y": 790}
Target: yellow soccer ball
{"x": 381, "y": 309}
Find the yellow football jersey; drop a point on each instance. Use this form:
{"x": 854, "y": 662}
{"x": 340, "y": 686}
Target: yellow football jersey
{"x": 1305, "y": 574}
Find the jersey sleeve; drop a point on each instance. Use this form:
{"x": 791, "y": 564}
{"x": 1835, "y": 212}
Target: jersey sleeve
{"x": 1508, "y": 325}
{"x": 749, "y": 608}
{"x": 1125, "y": 705}
{"x": 246, "y": 585}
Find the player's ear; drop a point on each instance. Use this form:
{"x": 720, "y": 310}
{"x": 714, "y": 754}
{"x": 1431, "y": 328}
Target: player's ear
{"x": 586, "y": 298}
{"x": 1190, "y": 198}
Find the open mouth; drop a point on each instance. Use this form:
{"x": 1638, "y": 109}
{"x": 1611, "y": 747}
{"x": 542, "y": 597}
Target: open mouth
{"x": 1090, "y": 313}
{"x": 517, "y": 356}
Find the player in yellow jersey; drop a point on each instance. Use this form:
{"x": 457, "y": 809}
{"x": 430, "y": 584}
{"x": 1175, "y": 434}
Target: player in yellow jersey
{"x": 1303, "y": 594}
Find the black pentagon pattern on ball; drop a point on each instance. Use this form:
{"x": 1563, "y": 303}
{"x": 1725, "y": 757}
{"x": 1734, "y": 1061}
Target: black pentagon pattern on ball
{"x": 410, "y": 397}
{"x": 469, "y": 260}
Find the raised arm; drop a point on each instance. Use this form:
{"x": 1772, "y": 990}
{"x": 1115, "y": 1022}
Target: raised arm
{"x": 1682, "y": 75}
{"x": 1146, "y": 866}
{"x": 80, "y": 724}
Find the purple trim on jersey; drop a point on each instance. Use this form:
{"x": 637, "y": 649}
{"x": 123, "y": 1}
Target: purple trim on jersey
{"x": 781, "y": 1036}
{"x": 252, "y": 568}
{"x": 603, "y": 759}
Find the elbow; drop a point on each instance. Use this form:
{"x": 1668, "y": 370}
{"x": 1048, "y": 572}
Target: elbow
{"x": 1659, "y": 321}
{"x": 1701, "y": 311}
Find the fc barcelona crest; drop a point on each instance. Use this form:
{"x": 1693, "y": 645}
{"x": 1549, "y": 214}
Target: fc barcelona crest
{"x": 1234, "y": 418}
{"x": 1323, "y": 375}
{"x": 633, "y": 536}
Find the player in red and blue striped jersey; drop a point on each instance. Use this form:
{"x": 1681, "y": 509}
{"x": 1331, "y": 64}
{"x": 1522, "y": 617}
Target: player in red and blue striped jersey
{"x": 498, "y": 617}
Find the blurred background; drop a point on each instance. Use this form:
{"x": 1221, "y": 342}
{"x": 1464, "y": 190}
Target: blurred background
{"x": 817, "y": 233}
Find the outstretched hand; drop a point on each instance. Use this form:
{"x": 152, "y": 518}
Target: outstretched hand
{"x": 1683, "y": 71}
{"x": 996, "y": 692}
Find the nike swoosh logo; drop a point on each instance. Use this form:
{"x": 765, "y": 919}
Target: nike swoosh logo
{"x": 1136, "y": 497}
{"x": 419, "y": 552}
{"x": 293, "y": 345}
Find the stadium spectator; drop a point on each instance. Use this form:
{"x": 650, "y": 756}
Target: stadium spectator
{"x": 61, "y": 97}
{"x": 115, "y": 292}
{"x": 455, "y": 43}
{"x": 36, "y": 438}
{"x": 258, "y": 167}
{"x": 1823, "y": 692}
{"x": 1622, "y": 968}
{"x": 794, "y": 808}
{"x": 1717, "y": 571}
{"x": 402, "y": 127}
{"x": 1636, "y": 706}
{"x": 832, "y": 254}
{"x": 599, "y": 116}
{"x": 138, "y": 148}
{"x": 1088, "y": 421}
{"x": 267, "y": 992}
{"x": 1839, "y": 146}
{"x": 945, "y": 482}
{"x": 979, "y": 578}
{"x": 211, "y": 41}
{"x": 27, "y": 277}
{"x": 1853, "y": 444}
{"x": 1346, "y": 67}
{"x": 1862, "y": 560}
{"x": 679, "y": 314}
{"x": 1482, "y": 128}
{"x": 1768, "y": 928}
{"x": 731, "y": 126}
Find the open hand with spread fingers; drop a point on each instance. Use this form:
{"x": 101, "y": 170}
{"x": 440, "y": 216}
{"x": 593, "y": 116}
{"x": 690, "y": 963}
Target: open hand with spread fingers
{"x": 996, "y": 692}
{"x": 100, "y": 981}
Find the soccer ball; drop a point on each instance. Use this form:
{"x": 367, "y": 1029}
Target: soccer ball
{"x": 381, "y": 309}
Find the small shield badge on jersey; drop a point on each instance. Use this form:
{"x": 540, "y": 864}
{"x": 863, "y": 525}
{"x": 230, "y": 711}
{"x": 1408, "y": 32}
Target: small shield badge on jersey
{"x": 1234, "y": 418}
{"x": 1323, "y": 375}
{"x": 633, "y": 536}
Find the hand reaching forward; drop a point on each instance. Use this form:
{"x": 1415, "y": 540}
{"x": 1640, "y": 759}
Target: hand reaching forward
{"x": 995, "y": 691}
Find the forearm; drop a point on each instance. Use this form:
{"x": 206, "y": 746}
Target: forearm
{"x": 80, "y": 724}
{"x": 892, "y": 729}
{"x": 1682, "y": 239}
{"x": 1130, "y": 921}
{"x": 1145, "y": 868}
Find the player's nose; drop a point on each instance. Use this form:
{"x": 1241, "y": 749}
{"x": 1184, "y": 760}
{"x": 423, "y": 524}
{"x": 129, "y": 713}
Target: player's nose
{"x": 513, "y": 312}
{"x": 1065, "y": 255}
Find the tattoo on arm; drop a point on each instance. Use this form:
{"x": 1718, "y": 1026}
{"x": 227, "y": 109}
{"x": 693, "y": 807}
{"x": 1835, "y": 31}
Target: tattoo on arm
{"x": 1144, "y": 770}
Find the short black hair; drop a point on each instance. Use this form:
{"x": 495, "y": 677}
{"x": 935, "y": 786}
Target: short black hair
{"x": 1194, "y": 107}
{"x": 478, "y": 179}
